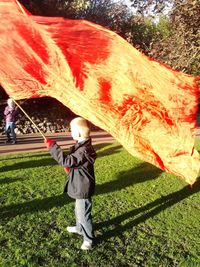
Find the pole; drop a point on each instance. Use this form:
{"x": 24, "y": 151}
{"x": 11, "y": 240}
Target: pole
{"x": 29, "y": 118}
{"x": 20, "y": 7}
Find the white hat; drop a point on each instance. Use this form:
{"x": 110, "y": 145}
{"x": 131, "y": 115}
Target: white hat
{"x": 11, "y": 103}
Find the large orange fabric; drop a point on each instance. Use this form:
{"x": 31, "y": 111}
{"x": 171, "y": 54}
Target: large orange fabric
{"x": 148, "y": 107}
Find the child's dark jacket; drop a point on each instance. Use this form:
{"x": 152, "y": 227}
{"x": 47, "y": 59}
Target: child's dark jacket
{"x": 80, "y": 160}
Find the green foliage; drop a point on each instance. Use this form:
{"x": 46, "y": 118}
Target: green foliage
{"x": 140, "y": 33}
{"x": 143, "y": 32}
{"x": 142, "y": 216}
{"x": 181, "y": 49}
{"x": 163, "y": 27}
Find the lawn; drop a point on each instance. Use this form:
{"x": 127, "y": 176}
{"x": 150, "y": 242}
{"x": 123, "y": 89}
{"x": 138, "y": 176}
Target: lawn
{"x": 142, "y": 216}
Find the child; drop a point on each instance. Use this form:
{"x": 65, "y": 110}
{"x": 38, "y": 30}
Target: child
{"x": 10, "y": 113}
{"x": 81, "y": 179}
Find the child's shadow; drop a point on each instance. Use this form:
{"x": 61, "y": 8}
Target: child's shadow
{"x": 148, "y": 211}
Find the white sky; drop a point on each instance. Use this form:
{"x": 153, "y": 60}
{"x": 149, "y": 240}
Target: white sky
{"x": 128, "y": 3}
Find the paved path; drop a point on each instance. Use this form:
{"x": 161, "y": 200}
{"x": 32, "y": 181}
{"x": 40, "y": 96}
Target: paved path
{"x": 34, "y": 142}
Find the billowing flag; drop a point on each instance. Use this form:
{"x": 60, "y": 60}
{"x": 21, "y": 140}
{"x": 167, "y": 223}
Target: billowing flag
{"x": 148, "y": 107}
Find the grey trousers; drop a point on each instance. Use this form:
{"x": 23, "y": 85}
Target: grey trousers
{"x": 83, "y": 208}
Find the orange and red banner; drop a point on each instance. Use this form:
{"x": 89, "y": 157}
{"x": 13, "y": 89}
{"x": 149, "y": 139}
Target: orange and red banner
{"x": 148, "y": 107}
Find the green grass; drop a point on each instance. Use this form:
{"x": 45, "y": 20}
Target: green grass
{"x": 142, "y": 216}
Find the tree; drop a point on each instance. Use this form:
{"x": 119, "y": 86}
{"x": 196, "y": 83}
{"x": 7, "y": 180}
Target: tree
{"x": 181, "y": 49}
{"x": 107, "y": 13}
{"x": 54, "y": 8}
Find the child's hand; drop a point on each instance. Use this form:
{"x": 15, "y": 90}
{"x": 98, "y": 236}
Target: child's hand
{"x": 67, "y": 170}
{"x": 49, "y": 143}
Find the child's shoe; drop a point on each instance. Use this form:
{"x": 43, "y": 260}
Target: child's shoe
{"x": 86, "y": 245}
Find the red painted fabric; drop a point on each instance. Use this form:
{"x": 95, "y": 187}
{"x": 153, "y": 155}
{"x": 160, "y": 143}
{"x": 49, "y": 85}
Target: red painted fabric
{"x": 148, "y": 107}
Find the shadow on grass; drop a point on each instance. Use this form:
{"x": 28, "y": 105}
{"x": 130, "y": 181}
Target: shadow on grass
{"x": 46, "y": 154}
{"x": 109, "y": 151}
{"x": 29, "y": 164}
{"x": 10, "y": 180}
{"x": 27, "y": 155}
{"x": 148, "y": 211}
{"x": 35, "y": 205}
{"x": 49, "y": 161}
{"x": 139, "y": 174}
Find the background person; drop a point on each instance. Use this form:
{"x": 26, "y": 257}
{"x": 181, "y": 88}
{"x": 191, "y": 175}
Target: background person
{"x": 10, "y": 114}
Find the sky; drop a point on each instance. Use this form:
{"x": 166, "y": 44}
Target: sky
{"x": 127, "y": 2}
{"x": 156, "y": 19}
